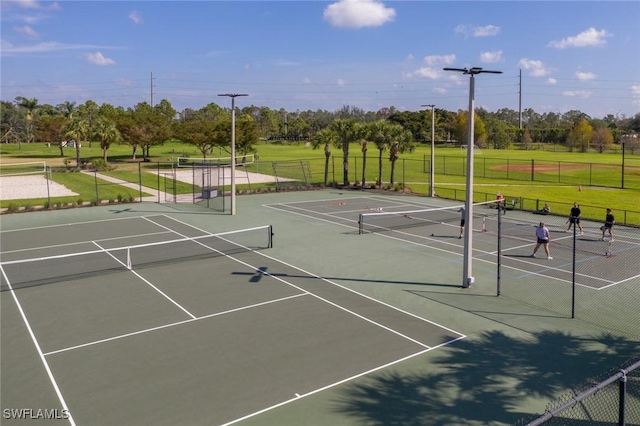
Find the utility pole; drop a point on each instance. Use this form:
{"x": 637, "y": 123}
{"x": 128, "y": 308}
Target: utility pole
{"x": 151, "y": 89}
{"x": 467, "y": 279}
{"x": 233, "y": 97}
{"x": 520, "y": 101}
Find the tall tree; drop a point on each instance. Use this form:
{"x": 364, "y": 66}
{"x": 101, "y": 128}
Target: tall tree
{"x": 106, "y": 133}
{"x": 49, "y": 129}
{"x": 580, "y": 136}
{"x": 325, "y": 138}
{"x": 344, "y": 130}
{"x": 78, "y": 130}
{"x": 30, "y": 106}
{"x": 381, "y": 134}
{"x": 602, "y": 139}
{"x": 401, "y": 140}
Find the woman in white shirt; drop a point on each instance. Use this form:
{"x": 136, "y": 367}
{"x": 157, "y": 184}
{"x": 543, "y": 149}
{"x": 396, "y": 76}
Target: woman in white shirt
{"x": 542, "y": 234}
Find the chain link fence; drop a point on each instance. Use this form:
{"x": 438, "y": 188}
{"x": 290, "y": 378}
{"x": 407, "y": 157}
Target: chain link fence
{"x": 610, "y": 399}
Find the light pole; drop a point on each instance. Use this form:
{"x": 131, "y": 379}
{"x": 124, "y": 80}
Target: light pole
{"x": 233, "y": 97}
{"x": 432, "y": 185}
{"x": 467, "y": 277}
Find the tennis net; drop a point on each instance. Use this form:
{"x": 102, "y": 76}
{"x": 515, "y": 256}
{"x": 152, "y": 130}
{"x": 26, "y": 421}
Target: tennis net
{"x": 71, "y": 266}
{"x": 384, "y": 221}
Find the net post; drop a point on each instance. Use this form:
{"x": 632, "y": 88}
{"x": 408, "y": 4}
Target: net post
{"x": 360, "y": 224}
{"x": 129, "y": 266}
{"x": 270, "y": 236}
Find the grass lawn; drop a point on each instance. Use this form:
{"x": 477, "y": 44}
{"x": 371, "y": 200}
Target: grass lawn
{"x": 591, "y": 179}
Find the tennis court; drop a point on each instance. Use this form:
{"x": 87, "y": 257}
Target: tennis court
{"x": 437, "y": 227}
{"x": 149, "y": 320}
{"x": 287, "y": 314}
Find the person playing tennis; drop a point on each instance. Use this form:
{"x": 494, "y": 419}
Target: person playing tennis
{"x": 574, "y": 218}
{"x": 462, "y": 221}
{"x": 542, "y": 234}
{"x": 608, "y": 225}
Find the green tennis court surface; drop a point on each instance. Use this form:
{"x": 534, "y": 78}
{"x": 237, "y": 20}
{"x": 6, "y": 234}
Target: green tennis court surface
{"x": 182, "y": 338}
{"x": 165, "y": 315}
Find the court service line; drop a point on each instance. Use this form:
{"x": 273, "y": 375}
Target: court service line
{"x": 61, "y": 225}
{"x": 84, "y": 242}
{"x": 149, "y": 283}
{"x": 619, "y": 282}
{"x": 322, "y": 298}
{"x": 340, "y": 382}
{"x": 39, "y": 350}
{"x": 173, "y": 324}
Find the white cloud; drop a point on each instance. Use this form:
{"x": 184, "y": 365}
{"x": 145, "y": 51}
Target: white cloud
{"x": 535, "y": 68}
{"x": 491, "y": 57}
{"x": 440, "y": 90}
{"x": 635, "y": 90}
{"x": 306, "y": 80}
{"x": 590, "y": 37}
{"x": 135, "y": 16}
{"x": 439, "y": 59}
{"x": 428, "y": 72}
{"x": 433, "y": 66}
{"x": 477, "y": 31}
{"x": 577, "y": 93}
{"x": 32, "y": 4}
{"x": 585, "y": 75}
{"x": 341, "y": 82}
{"x": 98, "y": 59}
{"x": 53, "y": 46}
{"x": 26, "y": 30}
{"x": 354, "y": 14}
{"x": 552, "y": 81}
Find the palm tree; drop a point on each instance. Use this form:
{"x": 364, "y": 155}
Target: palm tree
{"x": 401, "y": 141}
{"x": 345, "y": 133}
{"x": 106, "y": 133}
{"x": 378, "y": 134}
{"x": 325, "y": 137}
{"x": 78, "y": 130}
{"x": 31, "y": 106}
{"x": 362, "y": 134}
{"x": 67, "y": 108}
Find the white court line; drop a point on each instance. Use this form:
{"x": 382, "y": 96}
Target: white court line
{"x": 39, "y": 350}
{"x": 85, "y": 242}
{"x": 337, "y": 285}
{"x": 396, "y": 231}
{"x": 173, "y": 324}
{"x": 348, "y": 379}
{"x": 77, "y": 223}
{"x": 147, "y": 282}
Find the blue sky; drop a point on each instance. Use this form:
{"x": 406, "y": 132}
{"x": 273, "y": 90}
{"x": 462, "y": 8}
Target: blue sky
{"x": 309, "y": 55}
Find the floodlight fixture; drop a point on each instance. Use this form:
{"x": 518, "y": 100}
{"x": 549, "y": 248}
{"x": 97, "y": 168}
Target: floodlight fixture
{"x": 467, "y": 278}
{"x": 233, "y": 97}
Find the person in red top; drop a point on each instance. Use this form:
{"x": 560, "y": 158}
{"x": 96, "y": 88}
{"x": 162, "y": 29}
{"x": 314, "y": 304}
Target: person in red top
{"x": 500, "y": 202}
{"x": 543, "y": 238}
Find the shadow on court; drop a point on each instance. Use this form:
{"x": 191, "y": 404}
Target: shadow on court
{"x": 479, "y": 378}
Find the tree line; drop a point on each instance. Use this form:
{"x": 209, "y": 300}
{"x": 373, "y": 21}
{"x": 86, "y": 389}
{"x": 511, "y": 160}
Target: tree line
{"x": 143, "y": 126}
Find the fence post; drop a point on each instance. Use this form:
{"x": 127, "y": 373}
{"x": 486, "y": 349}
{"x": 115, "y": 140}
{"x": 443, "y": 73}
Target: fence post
{"x": 95, "y": 178}
{"x": 533, "y": 168}
{"x": 140, "y": 180}
{"x": 623, "y": 395}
